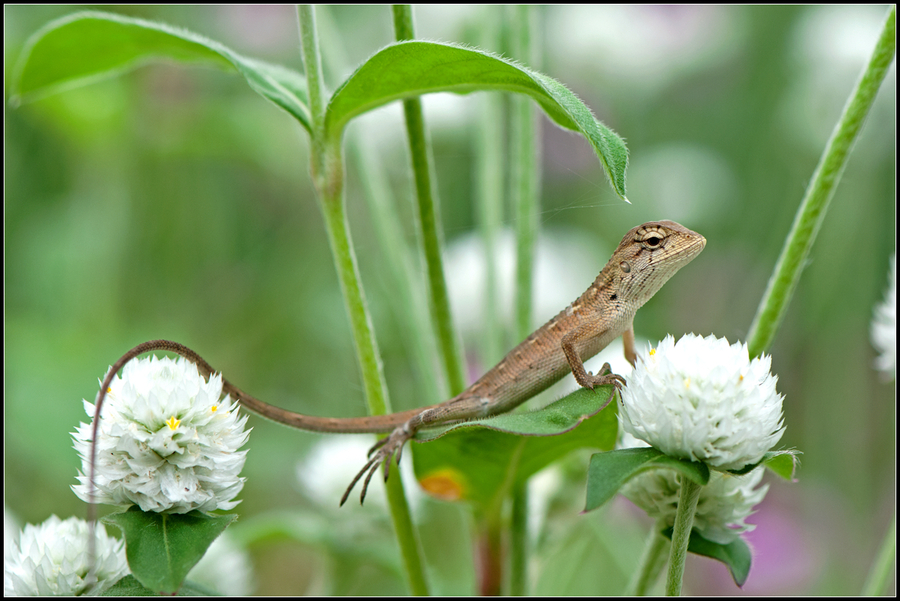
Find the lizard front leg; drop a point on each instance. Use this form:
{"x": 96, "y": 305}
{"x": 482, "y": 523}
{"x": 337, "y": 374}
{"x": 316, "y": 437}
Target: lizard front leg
{"x": 582, "y": 376}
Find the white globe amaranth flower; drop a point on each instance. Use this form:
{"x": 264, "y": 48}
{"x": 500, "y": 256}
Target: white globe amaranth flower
{"x": 166, "y": 440}
{"x": 52, "y": 559}
{"x": 703, "y": 399}
{"x": 725, "y": 502}
{"x": 884, "y": 326}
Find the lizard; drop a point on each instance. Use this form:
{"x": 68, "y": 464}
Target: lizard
{"x": 645, "y": 259}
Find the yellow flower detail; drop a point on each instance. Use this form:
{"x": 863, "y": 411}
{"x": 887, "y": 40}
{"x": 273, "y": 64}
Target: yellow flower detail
{"x": 652, "y": 352}
{"x": 214, "y": 408}
{"x": 173, "y": 423}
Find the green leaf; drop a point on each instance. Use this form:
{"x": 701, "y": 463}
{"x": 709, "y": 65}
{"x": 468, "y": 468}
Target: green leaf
{"x": 783, "y": 463}
{"x": 128, "y": 586}
{"x": 415, "y": 67}
{"x": 480, "y": 461}
{"x": 554, "y": 419}
{"x": 162, "y": 548}
{"x": 609, "y": 471}
{"x": 736, "y": 554}
{"x": 84, "y": 47}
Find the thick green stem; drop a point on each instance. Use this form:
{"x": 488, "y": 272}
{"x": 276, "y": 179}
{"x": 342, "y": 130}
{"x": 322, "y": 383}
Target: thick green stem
{"x": 327, "y": 169}
{"x": 819, "y": 192}
{"x": 429, "y": 220}
{"x": 681, "y": 536}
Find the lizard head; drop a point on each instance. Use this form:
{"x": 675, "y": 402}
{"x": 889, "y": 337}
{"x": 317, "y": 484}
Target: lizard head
{"x": 649, "y": 255}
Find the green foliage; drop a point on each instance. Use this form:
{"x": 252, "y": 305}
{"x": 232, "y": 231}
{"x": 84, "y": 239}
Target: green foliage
{"x": 482, "y": 460}
{"x": 736, "y": 554}
{"x": 162, "y": 547}
{"x": 609, "y": 471}
{"x": 414, "y": 68}
{"x": 88, "y": 46}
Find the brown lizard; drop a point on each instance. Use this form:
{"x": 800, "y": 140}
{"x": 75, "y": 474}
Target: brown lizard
{"x": 645, "y": 259}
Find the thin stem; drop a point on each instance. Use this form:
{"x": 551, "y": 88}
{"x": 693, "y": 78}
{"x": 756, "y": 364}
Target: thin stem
{"x": 819, "y": 192}
{"x": 410, "y": 302}
{"x": 429, "y": 220}
{"x": 883, "y": 566}
{"x": 684, "y": 521}
{"x": 309, "y": 46}
{"x": 652, "y": 561}
{"x": 524, "y": 182}
{"x": 518, "y": 542}
{"x": 490, "y": 196}
{"x": 327, "y": 170}
{"x": 525, "y": 170}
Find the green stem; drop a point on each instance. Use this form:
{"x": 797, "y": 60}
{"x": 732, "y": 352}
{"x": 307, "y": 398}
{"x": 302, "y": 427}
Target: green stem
{"x": 490, "y": 196}
{"x": 652, "y": 561}
{"x": 327, "y": 170}
{"x": 410, "y": 301}
{"x": 518, "y": 542}
{"x": 819, "y": 192}
{"x": 524, "y": 177}
{"x": 883, "y": 567}
{"x": 681, "y": 536}
{"x": 429, "y": 220}
{"x": 524, "y": 181}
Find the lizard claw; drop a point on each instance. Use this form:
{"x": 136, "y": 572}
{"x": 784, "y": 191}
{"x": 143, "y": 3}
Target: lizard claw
{"x": 605, "y": 376}
{"x": 381, "y": 453}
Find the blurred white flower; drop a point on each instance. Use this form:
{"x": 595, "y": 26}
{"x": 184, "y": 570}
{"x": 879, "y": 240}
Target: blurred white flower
{"x": 52, "y": 559}
{"x": 704, "y": 400}
{"x": 324, "y": 473}
{"x": 166, "y": 441}
{"x": 565, "y": 264}
{"x": 884, "y": 326}
{"x": 725, "y": 502}
{"x": 225, "y": 568}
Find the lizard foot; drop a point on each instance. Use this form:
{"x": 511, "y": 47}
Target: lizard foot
{"x": 381, "y": 453}
{"x": 605, "y": 376}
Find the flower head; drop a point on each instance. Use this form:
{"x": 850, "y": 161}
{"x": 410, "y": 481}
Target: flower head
{"x": 725, "y": 502}
{"x": 884, "y": 326}
{"x": 166, "y": 441}
{"x": 52, "y": 559}
{"x": 704, "y": 400}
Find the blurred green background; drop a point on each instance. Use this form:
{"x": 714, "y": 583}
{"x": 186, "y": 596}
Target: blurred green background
{"x": 175, "y": 203}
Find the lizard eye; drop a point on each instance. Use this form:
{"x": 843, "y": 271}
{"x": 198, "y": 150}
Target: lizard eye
{"x": 653, "y": 241}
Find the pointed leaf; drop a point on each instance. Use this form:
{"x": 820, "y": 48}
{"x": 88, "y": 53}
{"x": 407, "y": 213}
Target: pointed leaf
{"x": 162, "y": 548}
{"x": 84, "y": 47}
{"x": 554, "y": 419}
{"x": 479, "y": 461}
{"x": 736, "y": 554}
{"x": 783, "y": 463}
{"x": 609, "y": 471}
{"x": 416, "y": 67}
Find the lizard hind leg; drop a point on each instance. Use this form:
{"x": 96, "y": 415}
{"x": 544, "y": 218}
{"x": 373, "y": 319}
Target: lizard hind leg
{"x": 381, "y": 453}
